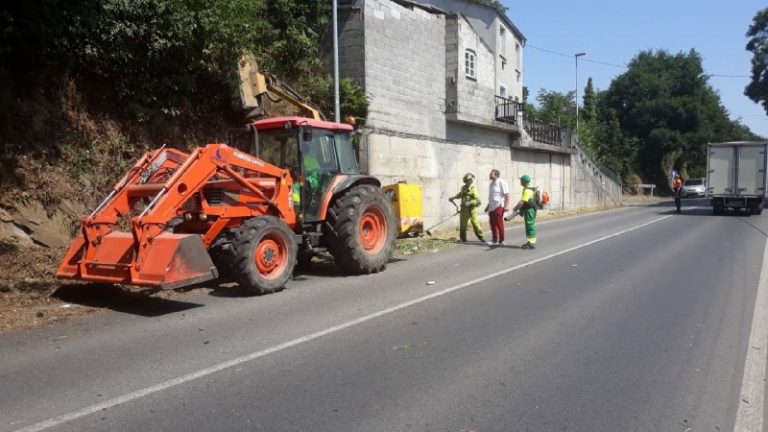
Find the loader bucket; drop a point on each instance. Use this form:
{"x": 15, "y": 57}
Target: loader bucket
{"x": 171, "y": 261}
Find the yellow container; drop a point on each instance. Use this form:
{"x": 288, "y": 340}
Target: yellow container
{"x": 409, "y": 212}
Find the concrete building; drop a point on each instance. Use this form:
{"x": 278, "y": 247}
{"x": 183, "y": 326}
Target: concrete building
{"x": 444, "y": 80}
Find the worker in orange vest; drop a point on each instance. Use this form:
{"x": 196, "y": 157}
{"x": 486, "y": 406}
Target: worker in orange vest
{"x": 677, "y": 188}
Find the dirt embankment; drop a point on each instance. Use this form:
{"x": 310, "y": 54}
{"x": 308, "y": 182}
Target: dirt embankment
{"x": 58, "y": 158}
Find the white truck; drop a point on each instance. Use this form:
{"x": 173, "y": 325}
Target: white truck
{"x": 736, "y": 176}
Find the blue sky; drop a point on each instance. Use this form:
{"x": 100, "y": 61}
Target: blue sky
{"x": 614, "y": 31}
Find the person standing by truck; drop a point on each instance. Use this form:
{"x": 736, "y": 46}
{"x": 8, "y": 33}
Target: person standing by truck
{"x": 677, "y": 188}
{"x": 470, "y": 201}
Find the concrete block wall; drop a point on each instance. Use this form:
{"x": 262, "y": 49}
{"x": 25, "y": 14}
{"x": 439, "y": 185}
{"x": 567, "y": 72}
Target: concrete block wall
{"x": 475, "y": 96}
{"x": 591, "y": 186}
{"x": 439, "y": 165}
{"x": 452, "y": 63}
{"x": 405, "y": 68}
{"x": 483, "y": 136}
{"x": 486, "y": 22}
{"x": 351, "y": 44}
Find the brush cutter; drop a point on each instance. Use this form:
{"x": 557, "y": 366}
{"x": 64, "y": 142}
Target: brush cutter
{"x": 444, "y": 220}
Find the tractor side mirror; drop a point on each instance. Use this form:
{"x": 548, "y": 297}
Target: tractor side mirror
{"x": 306, "y": 133}
{"x": 254, "y": 145}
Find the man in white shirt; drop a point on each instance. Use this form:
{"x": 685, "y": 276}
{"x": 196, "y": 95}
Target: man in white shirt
{"x": 498, "y": 203}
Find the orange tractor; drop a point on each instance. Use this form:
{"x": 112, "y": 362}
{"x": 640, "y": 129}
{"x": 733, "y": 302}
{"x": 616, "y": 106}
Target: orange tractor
{"x": 248, "y": 214}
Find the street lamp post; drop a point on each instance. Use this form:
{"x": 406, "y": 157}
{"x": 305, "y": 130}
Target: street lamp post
{"x": 337, "y": 116}
{"x": 576, "y": 56}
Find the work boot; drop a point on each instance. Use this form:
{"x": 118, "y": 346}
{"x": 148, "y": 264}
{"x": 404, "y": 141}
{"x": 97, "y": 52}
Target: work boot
{"x": 528, "y": 245}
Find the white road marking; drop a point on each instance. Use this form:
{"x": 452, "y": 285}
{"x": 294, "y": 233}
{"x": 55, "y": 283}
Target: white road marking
{"x": 64, "y": 418}
{"x": 749, "y": 416}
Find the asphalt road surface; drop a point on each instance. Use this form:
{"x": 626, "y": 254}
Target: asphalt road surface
{"x": 635, "y": 319}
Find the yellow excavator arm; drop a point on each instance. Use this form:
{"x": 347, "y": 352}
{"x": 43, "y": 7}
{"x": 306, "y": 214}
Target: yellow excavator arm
{"x": 254, "y": 86}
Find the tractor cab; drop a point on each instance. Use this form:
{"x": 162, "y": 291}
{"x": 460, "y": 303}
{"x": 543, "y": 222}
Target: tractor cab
{"x": 316, "y": 152}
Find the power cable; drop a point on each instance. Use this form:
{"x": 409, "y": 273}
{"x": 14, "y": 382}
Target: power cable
{"x": 623, "y": 65}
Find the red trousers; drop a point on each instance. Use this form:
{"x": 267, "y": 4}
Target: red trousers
{"x": 496, "y": 218}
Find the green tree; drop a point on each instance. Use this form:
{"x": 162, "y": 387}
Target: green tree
{"x": 757, "y": 89}
{"x": 589, "y": 106}
{"x": 665, "y": 103}
{"x": 529, "y": 111}
{"x": 557, "y": 108}
{"x": 150, "y": 59}
{"x": 352, "y": 98}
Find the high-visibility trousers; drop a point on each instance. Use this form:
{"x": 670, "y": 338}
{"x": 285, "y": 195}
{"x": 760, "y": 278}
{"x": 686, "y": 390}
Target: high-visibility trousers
{"x": 529, "y": 216}
{"x": 469, "y": 215}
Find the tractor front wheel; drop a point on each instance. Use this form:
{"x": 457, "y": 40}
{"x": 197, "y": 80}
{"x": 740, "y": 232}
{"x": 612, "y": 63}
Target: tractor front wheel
{"x": 264, "y": 255}
{"x": 360, "y": 230}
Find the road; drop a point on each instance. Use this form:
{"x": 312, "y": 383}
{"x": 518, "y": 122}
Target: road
{"x": 636, "y": 319}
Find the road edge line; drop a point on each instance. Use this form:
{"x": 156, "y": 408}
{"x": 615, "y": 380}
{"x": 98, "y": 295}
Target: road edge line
{"x": 749, "y": 416}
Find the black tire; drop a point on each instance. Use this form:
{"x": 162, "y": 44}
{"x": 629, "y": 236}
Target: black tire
{"x": 270, "y": 241}
{"x": 305, "y": 259}
{"x": 349, "y": 225}
{"x": 223, "y": 258}
{"x": 718, "y": 207}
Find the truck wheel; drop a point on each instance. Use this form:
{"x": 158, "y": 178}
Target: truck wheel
{"x": 718, "y": 207}
{"x": 264, "y": 254}
{"x": 756, "y": 209}
{"x": 360, "y": 230}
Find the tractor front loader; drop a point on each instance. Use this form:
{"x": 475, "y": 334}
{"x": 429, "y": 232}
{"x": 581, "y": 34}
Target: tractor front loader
{"x": 163, "y": 200}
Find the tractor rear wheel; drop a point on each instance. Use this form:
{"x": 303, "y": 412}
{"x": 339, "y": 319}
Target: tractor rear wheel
{"x": 264, "y": 255}
{"x": 360, "y": 230}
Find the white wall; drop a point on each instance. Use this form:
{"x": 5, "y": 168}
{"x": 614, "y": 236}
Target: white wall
{"x": 439, "y": 165}
{"x": 405, "y": 68}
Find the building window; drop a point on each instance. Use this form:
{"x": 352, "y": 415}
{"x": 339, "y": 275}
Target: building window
{"x": 519, "y": 75}
{"x": 503, "y": 61}
{"x": 470, "y": 63}
{"x": 502, "y": 37}
{"x": 503, "y": 91}
{"x": 517, "y": 54}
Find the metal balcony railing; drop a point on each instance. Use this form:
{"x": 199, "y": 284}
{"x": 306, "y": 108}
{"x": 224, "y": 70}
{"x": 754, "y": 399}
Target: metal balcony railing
{"x": 545, "y": 132}
{"x": 511, "y": 112}
{"x": 507, "y": 110}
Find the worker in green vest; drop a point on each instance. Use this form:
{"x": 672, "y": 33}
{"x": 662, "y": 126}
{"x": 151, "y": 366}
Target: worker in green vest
{"x": 311, "y": 171}
{"x": 311, "y": 174}
{"x": 470, "y": 201}
{"x": 527, "y": 208}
